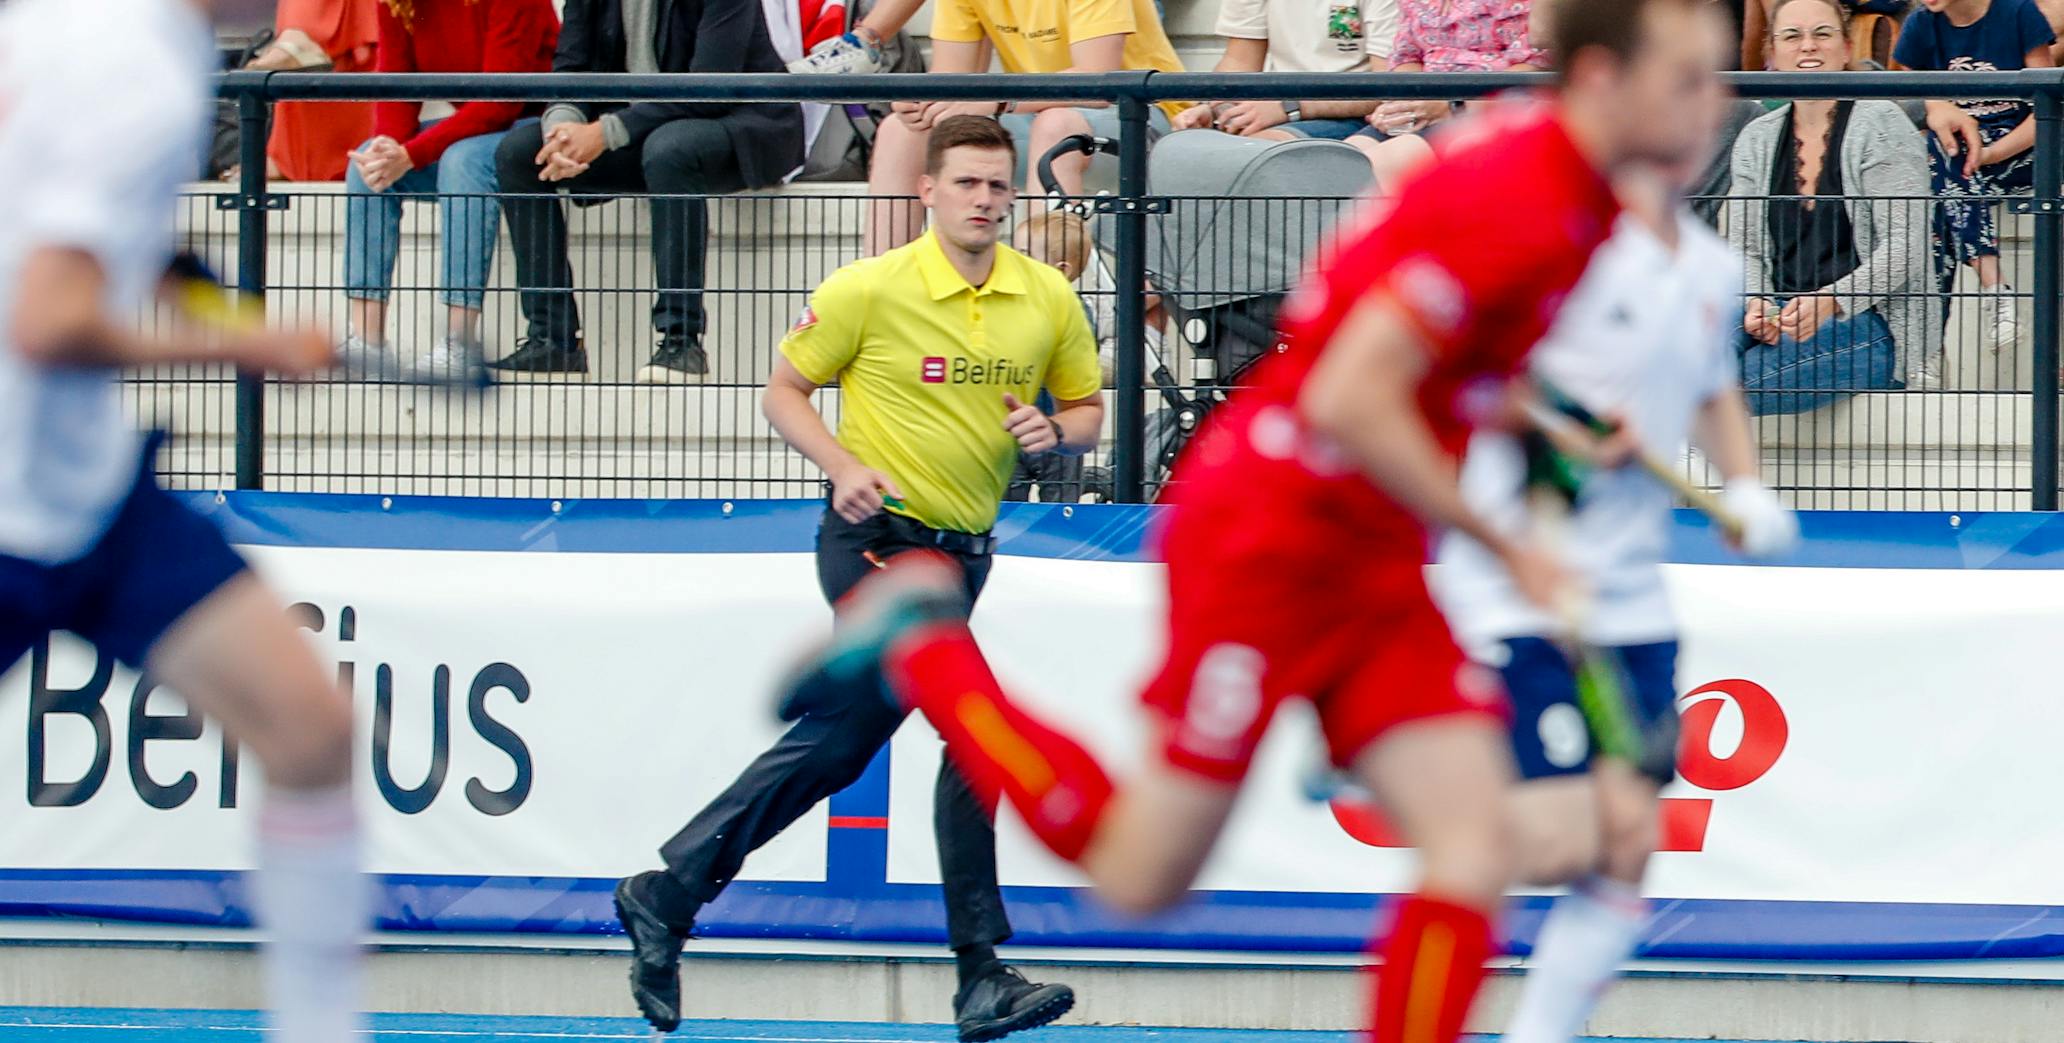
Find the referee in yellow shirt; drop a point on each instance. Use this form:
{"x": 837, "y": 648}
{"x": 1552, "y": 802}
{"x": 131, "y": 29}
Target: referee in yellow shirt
{"x": 936, "y": 346}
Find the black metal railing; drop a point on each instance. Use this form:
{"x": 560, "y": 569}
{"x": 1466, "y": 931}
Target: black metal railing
{"x": 1986, "y": 438}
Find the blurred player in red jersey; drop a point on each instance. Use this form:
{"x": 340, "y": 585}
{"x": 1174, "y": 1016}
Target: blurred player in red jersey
{"x": 1295, "y": 547}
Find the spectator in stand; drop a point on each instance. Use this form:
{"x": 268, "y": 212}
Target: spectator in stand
{"x": 1838, "y": 268}
{"x": 310, "y": 139}
{"x": 1978, "y": 36}
{"x": 1297, "y": 36}
{"x": 435, "y": 147}
{"x": 678, "y": 151}
{"x": 1444, "y": 36}
{"x": 1027, "y": 36}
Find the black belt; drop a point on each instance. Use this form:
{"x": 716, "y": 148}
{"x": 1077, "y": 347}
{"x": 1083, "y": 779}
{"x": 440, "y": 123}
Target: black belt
{"x": 975, "y": 544}
{"x": 945, "y": 539}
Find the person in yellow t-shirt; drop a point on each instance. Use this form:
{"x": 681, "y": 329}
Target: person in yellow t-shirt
{"x": 1025, "y": 36}
{"x": 936, "y": 347}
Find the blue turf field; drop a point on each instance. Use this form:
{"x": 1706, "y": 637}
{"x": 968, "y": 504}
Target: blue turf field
{"x": 91, "y": 1025}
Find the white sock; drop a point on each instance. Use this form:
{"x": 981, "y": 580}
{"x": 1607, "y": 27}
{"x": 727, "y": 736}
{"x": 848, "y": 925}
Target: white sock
{"x": 1588, "y": 934}
{"x": 313, "y": 901}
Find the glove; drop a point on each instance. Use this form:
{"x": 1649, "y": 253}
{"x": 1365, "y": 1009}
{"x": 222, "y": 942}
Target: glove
{"x": 1769, "y": 528}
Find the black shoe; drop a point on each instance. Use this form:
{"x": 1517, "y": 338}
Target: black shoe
{"x": 538, "y": 356}
{"x": 655, "y": 953}
{"x": 918, "y": 588}
{"x": 1002, "y": 1002}
{"x": 679, "y": 359}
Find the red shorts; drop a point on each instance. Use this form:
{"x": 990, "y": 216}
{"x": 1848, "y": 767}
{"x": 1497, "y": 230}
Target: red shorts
{"x": 1269, "y": 600}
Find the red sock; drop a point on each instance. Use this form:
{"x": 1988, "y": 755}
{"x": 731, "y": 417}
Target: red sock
{"x": 1433, "y": 963}
{"x": 1053, "y": 782}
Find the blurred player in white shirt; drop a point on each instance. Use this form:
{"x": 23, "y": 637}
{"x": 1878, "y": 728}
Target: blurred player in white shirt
{"x": 1647, "y": 338}
{"x": 103, "y": 108}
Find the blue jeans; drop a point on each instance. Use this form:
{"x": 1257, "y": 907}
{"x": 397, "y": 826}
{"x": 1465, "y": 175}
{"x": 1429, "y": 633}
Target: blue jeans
{"x": 1326, "y": 129}
{"x": 463, "y": 180}
{"x": 1850, "y": 353}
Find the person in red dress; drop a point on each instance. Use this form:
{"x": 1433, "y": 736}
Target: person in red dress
{"x": 1301, "y": 521}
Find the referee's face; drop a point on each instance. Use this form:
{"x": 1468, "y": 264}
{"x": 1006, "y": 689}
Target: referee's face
{"x": 969, "y": 197}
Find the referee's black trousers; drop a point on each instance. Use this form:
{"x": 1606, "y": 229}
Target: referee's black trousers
{"x": 823, "y": 753}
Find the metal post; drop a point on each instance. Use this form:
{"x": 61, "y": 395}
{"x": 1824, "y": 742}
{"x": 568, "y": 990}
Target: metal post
{"x": 253, "y": 126}
{"x": 1128, "y": 463}
{"x": 2049, "y": 223}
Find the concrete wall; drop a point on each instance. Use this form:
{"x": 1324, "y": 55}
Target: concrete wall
{"x": 913, "y": 984}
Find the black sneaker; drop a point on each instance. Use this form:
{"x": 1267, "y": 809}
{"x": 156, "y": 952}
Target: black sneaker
{"x": 1002, "y": 1002}
{"x": 655, "y": 953}
{"x": 536, "y": 357}
{"x": 679, "y": 359}
{"x": 918, "y": 588}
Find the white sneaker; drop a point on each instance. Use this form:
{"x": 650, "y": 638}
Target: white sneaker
{"x": 1924, "y": 377}
{"x": 840, "y": 54}
{"x": 2003, "y": 324}
{"x": 362, "y": 359}
{"x": 450, "y": 361}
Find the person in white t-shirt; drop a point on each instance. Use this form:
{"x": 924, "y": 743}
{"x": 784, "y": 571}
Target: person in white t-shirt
{"x": 1647, "y": 338}
{"x": 1295, "y": 36}
{"x": 103, "y": 109}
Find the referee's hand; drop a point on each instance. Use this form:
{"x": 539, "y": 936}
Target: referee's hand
{"x": 856, "y": 492}
{"x": 1035, "y": 432}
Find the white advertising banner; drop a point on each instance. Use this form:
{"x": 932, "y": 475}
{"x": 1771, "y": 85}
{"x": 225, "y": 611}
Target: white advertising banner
{"x": 1876, "y": 741}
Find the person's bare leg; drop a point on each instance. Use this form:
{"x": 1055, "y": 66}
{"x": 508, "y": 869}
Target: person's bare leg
{"x": 897, "y": 164}
{"x": 1392, "y": 159}
{"x": 237, "y": 658}
{"x": 1155, "y": 836}
{"x": 1556, "y": 824}
{"x": 1444, "y": 782}
{"x": 366, "y": 318}
{"x": 1049, "y": 126}
{"x": 1592, "y": 930}
{"x": 462, "y": 324}
{"x": 1988, "y": 269}
{"x": 1629, "y": 804}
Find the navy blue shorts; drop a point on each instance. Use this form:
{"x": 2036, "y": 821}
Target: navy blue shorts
{"x": 157, "y": 560}
{"x": 1549, "y": 734}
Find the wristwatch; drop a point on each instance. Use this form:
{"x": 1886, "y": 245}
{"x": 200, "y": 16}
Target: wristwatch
{"x": 1292, "y": 110}
{"x": 1060, "y": 437}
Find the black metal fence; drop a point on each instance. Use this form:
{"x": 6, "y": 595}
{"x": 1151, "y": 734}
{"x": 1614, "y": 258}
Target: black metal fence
{"x": 1977, "y": 430}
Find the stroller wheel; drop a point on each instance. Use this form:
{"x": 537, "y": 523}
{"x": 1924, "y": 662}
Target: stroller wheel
{"x": 1098, "y": 486}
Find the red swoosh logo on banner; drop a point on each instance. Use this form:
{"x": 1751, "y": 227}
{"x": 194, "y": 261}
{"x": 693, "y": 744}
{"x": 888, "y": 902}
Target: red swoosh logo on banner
{"x": 1682, "y": 820}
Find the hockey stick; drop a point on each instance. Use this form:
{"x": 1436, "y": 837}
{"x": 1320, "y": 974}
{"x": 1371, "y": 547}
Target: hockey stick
{"x": 1558, "y": 413}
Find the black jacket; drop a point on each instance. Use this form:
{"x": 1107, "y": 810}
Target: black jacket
{"x": 694, "y": 36}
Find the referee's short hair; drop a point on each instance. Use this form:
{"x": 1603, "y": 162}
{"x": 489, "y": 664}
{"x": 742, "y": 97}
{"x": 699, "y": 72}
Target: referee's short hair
{"x": 966, "y": 132}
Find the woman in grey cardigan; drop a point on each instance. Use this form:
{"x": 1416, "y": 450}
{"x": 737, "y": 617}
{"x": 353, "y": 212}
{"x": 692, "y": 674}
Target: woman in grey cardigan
{"x": 1841, "y": 297}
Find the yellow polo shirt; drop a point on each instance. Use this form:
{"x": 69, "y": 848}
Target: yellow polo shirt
{"x": 1034, "y": 35}
{"x": 923, "y": 361}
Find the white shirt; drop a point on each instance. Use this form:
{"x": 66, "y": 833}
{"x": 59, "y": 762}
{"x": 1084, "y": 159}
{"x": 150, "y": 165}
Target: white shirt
{"x": 103, "y": 108}
{"x": 1648, "y": 333}
{"x": 1314, "y": 35}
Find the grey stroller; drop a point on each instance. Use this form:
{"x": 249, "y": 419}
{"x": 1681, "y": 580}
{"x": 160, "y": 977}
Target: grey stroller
{"x": 1244, "y": 216}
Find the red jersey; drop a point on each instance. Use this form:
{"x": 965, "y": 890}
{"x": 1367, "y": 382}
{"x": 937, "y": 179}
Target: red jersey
{"x": 1477, "y": 251}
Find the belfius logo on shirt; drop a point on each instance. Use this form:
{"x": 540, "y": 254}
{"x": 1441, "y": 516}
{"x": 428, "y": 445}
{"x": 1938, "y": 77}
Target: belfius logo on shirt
{"x": 938, "y": 369}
